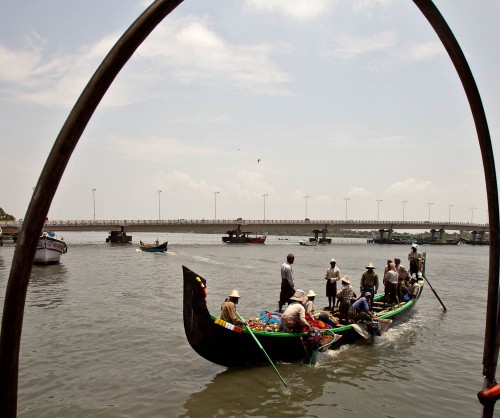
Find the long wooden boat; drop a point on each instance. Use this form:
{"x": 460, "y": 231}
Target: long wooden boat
{"x": 49, "y": 249}
{"x": 153, "y": 248}
{"x": 228, "y": 345}
{"x": 238, "y": 237}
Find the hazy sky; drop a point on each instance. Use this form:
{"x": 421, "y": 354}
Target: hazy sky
{"x": 337, "y": 98}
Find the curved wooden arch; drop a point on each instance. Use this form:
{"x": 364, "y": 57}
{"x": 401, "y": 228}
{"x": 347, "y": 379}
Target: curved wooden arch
{"x": 74, "y": 126}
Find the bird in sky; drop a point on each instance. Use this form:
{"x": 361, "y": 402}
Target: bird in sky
{"x": 258, "y": 161}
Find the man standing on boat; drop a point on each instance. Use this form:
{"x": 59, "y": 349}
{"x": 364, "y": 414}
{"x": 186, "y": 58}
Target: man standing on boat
{"x": 369, "y": 281}
{"x": 287, "y": 284}
{"x": 332, "y": 276}
{"x": 415, "y": 258}
{"x": 228, "y": 309}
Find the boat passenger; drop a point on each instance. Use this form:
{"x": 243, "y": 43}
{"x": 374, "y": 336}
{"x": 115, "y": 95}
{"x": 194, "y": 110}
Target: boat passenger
{"x": 360, "y": 310}
{"x": 386, "y": 269}
{"x": 369, "y": 281}
{"x": 391, "y": 285}
{"x": 415, "y": 258}
{"x": 332, "y": 276}
{"x": 309, "y": 304}
{"x": 404, "y": 277}
{"x": 345, "y": 296}
{"x": 228, "y": 309}
{"x": 412, "y": 291}
{"x": 287, "y": 284}
{"x": 294, "y": 317}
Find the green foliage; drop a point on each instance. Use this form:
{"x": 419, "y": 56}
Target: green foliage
{"x": 5, "y": 216}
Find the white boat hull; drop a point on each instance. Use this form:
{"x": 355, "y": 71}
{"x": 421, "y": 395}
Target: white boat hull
{"x": 49, "y": 250}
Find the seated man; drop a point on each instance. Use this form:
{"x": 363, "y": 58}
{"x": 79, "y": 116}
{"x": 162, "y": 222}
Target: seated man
{"x": 360, "y": 310}
{"x": 294, "y": 317}
{"x": 228, "y": 309}
{"x": 412, "y": 290}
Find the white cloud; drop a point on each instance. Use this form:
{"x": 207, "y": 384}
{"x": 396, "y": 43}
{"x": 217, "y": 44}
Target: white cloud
{"x": 192, "y": 52}
{"x": 347, "y": 47}
{"x": 366, "y": 5}
{"x": 410, "y": 186}
{"x": 185, "y": 50}
{"x": 355, "y": 191}
{"x": 294, "y": 9}
{"x": 423, "y": 51}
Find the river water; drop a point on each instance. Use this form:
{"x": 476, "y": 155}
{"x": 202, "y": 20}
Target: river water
{"x": 103, "y": 333}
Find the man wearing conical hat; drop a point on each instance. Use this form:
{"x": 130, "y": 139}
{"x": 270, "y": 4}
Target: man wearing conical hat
{"x": 228, "y": 309}
{"x": 369, "y": 281}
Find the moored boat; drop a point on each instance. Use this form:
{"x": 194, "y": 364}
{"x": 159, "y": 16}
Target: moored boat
{"x": 308, "y": 243}
{"x": 49, "y": 249}
{"x": 118, "y": 237}
{"x": 228, "y": 345}
{"x": 239, "y": 237}
{"x": 153, "y": 248}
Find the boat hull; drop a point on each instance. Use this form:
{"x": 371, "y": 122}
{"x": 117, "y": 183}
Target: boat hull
{"x": 161, "y": 248}
{"x": 49, "y": 251}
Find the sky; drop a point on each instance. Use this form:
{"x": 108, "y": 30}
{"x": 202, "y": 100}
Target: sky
{"x": 326, "y": 109}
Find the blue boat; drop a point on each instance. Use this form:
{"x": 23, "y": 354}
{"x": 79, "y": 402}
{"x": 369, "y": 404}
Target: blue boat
{"x": 153, "y": 248}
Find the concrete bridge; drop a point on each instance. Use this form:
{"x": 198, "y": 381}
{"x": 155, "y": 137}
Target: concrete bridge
{"x": 258, "y": 226}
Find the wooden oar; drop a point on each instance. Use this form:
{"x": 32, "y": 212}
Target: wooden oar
{"x": 442, "y": 304}
{"x": 262, "y": 348}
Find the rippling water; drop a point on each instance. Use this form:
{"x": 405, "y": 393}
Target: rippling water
{"x": 103, "y": 334}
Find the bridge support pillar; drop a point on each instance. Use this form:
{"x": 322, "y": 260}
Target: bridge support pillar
{"x": 433, "y": 234}
{"x": 381, "y": 233}
{"x": 441, "y": 234}
{"x": 389, "y": 233}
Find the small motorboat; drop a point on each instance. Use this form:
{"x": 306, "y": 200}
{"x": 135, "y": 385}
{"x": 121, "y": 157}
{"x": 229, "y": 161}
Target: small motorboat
{"x": 153, "y": 248}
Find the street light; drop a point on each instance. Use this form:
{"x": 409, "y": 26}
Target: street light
{"x": 306, "y": 197}
{"x": 378, "y": 208}
{"x": 430, "y": 204}
{"x": 346, "y": 199}
{"x": 215, "y": 197}
{"x": 264, "y": 196}
{"x": 404, "y": 202}
{"x": 159, "y": 213}
{"x": 449, "y": 212}
{"x": 93, "y": 199}
{"x": 472, "y": 215}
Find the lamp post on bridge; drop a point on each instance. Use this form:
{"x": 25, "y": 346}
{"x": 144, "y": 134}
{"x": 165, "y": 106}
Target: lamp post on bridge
{"x": 306, "y": 197}
{"x": 215, "y": 202}
{"x": 404, "y": 202}
{"x": 472, "y": 215}
{"x": 93, "y": 200}
{"x": 430, "y": 204}
{"x": 159, "y": 207}
{"x": 378, "y": 208}
{"x": 346, "y": 199}
{"x": 264, "y": 196}
{"x": 449, "y": 212}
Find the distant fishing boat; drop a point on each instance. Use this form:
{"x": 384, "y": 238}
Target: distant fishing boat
{"x": 239, "y": 237}
{"x": 49, "y": 249}
{"x": 308, "y": 243}
{"x": 118, "y": 237}
{"x": 153, "y": 248}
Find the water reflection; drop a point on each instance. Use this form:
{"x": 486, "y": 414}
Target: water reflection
{"x": 47, "y": 287}
{"x": 339, "y": 378}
